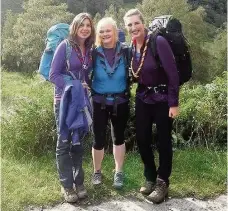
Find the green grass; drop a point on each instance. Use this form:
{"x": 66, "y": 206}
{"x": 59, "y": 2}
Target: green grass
{"x": 19, "y": 87}
{"x": 198, "y": 173}
{"x": 28, "y": 178}
{"x": 27, "y": 182}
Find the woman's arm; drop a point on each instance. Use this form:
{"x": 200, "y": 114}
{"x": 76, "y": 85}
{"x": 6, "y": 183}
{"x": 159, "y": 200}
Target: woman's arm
{"x": 58, "y": 66}
{"x": 168, "y": 63}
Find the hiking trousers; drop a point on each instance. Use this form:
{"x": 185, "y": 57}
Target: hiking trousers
{"x": 146, "y": 115}
{"x": 68, "y": 158}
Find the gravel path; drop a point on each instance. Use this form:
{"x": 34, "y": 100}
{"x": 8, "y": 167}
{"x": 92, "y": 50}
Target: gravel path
{"x": 134, "y": 204}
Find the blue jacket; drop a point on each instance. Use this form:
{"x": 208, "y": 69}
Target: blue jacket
{"x": 106, "y": 79}
{"x": 75, "y": 114}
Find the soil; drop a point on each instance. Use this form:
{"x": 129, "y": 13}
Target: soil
{"x": 135, "y": 204}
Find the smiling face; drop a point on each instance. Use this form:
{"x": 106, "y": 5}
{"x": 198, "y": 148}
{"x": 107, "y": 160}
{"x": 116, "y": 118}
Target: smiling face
{"x": 84, "y": 29}
{"x": 106, "y": 34}
{"x": 135, "y": 26}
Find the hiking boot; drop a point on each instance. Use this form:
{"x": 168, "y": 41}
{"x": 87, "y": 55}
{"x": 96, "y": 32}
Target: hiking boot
{"x": 69, "y": 194}
{"x": 96, "y": 179}
{"x": 147, "y": 188}
{"x": 118, "y": 180}
{"x": 160, "y": 192}
{"x": 81, "y": 191}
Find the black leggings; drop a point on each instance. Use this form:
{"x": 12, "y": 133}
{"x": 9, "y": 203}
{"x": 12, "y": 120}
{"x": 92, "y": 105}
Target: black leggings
{"x": 146, "y": 115}
{"x": 118, "y": 123}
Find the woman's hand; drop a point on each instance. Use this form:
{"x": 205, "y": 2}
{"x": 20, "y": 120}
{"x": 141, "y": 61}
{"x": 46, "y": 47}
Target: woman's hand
{"x": 85, "y": 85}
{"x": 173, "y": 112}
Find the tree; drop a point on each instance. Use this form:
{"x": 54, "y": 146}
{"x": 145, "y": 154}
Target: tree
{"x": 27, "y": 40}
{"x": 9, "y": 41}
{"x": 15, "y": 6}
{"x": 219, "y": 49}
{"x": 12, "y": 5}
{"x": 97, "y": 18}
{"x": 194, "y": 27}
{"x": 216, "y": 10}
{"x": 117, "y": 14}
{"x": 77, "y": 6}
{"x": 92, "y": 6}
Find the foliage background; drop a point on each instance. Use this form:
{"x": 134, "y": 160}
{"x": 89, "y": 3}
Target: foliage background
{"x": 31, "y": 129}
{"x": 28, "y": 135}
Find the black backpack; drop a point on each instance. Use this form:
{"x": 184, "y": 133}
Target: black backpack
{"x": 171, "y": 29}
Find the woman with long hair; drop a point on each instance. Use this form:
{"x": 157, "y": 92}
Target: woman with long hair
{"x": 156, "y": 102}
{"x": 69, "y": 153}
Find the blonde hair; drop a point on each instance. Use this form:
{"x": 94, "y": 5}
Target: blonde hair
{"x": 132, "y": 12}
{"x": 103, "y": 22}
{"x": 76, "y": 24}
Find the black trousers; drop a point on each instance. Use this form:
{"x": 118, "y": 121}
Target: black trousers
{"x": 146, "y": 115}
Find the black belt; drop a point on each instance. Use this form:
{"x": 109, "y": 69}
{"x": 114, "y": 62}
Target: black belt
{"x": 161, "y": 88}
{"x": 115, "y": 96}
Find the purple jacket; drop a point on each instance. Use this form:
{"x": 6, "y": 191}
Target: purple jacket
{"x": 75, "y": 114}
{"x": 59, "y": 68}
{"x": 152, "y": 75}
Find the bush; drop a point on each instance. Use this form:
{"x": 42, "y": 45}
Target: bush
{"x": 28, "y": 126}
{"x": 28, "y": 123}
{"x": 202, "y": 119}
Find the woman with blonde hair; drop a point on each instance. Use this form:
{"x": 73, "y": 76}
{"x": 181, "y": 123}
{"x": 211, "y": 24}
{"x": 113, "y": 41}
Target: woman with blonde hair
{"x": 110, "y": 98}
{"x": 157, "y": 97}
{"x": 69, "y": 152}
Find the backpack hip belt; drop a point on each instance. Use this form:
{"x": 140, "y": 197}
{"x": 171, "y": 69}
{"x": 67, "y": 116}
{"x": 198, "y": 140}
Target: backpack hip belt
{"x": 161, "y": 88}
{"x": 116, "y": 98}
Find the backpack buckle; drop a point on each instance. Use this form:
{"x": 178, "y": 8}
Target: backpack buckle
{"x": 155, "y": 89}
{"x": 109, "y": 95}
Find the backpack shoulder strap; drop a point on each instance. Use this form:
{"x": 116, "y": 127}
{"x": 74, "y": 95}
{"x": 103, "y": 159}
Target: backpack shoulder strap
{"x": 94, "y": 57}
{"x": 126, "y": 50}
{"x": 68, "y": 53}
{"x": 153, "y": 45}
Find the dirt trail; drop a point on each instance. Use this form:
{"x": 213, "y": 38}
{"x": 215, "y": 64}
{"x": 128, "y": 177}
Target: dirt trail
{"x": 134, "y": 204}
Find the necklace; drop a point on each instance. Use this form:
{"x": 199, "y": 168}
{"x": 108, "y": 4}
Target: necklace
{"x": 82, "y": 54}
{"x": 85, "y": 59}
{"x": 136, "y": 74}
